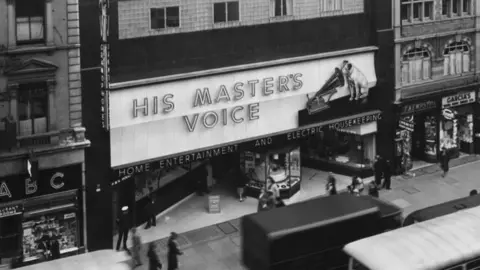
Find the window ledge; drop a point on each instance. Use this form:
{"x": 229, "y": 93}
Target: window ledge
{"x": 220, "y": 25}
{"x": 281, "y": 18}
{"x": 168, "y": 30}
{"x": 30, "y": 49}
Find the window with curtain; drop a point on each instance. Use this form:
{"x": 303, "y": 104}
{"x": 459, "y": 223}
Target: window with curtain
{"x": 456, "y": 58}
{"x": 30, "y": 21}
{"x": 225, "y": 12}
{"x": 161, "y": 18}
{"x": 455, "y": 8}
{"x": 331, "y": 5}
{"x": 416, "y": 65}
{"x": 32, "y": 106}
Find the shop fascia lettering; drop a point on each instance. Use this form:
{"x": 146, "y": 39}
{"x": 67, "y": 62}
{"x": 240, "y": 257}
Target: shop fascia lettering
{"x": 458, "y": 99}
{"x": 356, "y": 121}
{"x": 31, "y": 186}
{"x": 223, "y": 94}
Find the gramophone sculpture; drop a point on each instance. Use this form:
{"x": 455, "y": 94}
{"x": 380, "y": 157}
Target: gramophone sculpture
{"x": 356, "y": 82}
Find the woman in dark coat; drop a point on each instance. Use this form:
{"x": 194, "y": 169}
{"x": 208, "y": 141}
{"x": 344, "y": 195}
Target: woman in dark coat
{"x": 153, "y": 261}
{"x": 444, "y": 160}
{"x": 173, "y": 252}
{"x": 331, "y": 186}
{"x": 241, "y": 181}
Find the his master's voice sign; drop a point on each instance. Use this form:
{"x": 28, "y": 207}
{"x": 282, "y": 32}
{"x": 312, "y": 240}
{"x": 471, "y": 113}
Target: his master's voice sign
{"x": 214, "y": 204}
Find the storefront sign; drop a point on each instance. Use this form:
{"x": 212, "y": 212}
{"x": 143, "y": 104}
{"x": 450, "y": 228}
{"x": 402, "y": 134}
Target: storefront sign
{"x": 458, "y": 99}
{"x": 10, "y": 210}
{"x": 406, "y": 125}
{"x": 214, "y": 204}
{"x": 49, "y": 181}
{"x": 356, "y": 121}
{"x": 418, "y": 107}
{"x": 448, "y": 114}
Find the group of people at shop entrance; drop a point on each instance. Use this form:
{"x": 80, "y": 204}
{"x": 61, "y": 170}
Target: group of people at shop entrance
{"x": 48, "y": 245}
{"x": 382, "y": 170}
{"x": 154, "y": 262}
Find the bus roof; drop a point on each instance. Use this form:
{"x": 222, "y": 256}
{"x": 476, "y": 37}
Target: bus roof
{"x": 96, "y": 260}
{"x": 433, "y": 244}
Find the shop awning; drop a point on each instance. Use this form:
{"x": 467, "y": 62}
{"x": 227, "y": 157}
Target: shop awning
{"x": 361, "y": 130}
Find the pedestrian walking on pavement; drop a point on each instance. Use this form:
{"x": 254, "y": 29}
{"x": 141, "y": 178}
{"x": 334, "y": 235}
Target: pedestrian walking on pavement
{"x": 373, "y": 190}
{"x": 153, "y": 260}
{"x": 150, "y": 209}
{"x": 444, "y": 160}
{"x": 331, "y": 186}
{"x": 357, "y": 186}
{"x": 473, "y": 192}
{"x": 173, "y": 252}
{"x": 136, "y": 248}
{"x": 378, "y": 168}
{"x": 123, "y": 224}
{"x": 241, "y": 181}
{"x": 387, "y": 175}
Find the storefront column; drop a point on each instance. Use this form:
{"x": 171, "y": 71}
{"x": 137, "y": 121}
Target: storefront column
{"x": 52, "y": 110}
{"x": 11, "y": 24}
{"x": 48, "y": 23}
{"x": 84, "y": 207}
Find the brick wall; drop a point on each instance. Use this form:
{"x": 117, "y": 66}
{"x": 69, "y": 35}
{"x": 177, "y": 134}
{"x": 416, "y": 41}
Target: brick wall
{"x": 74, "y": 83}
{"x": 197, "y": 15}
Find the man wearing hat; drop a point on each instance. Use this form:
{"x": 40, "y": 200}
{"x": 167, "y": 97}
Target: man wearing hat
{"x": 123, "y": 223}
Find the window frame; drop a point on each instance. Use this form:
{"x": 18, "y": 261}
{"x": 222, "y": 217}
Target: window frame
{"x": 45, "y": 94}
{"x": 31, "y": 41}
{"x": 337, "y": 5}
{"x": 448, "y": 65}
{"x": 227, "y": 21}
{"x": 460, "y": 8}
{"x": 425, "y": 72}
{"x": 165, "y": 20}
{"x": 273, "y": 5}
{"x": 410, "y": 4}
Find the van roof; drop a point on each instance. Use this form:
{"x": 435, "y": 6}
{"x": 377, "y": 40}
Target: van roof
{"x": 312, "y": 213}
{"x": 432, "y": 244}
{"x": 443, "y": 209}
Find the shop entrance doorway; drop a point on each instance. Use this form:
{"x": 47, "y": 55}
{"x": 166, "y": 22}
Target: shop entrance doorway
{"x": 418, "y": 138}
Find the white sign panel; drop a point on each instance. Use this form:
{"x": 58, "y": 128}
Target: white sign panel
{"x": 458, "y": 99}
{"x": 155, "y": 121}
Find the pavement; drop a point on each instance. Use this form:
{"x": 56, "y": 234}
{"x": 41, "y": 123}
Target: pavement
{"x": 217, "y": 247}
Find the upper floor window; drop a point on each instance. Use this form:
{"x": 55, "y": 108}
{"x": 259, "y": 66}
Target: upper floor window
{"x": 417, "y": 10}
{"x": 452, "y": 8}
{"x": 226, "y": 12}
{"x": 456, "y": 58}
{"x": 416, "y": 65}
{"x": 30, "y": 21}
{"x": 32, "y": 106}
{"x": 282, "y": 7}
{"x": 330, "y": 5}
{"x": 162, "y": 18}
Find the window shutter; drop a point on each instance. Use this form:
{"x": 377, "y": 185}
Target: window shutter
{"x": 405, "y": 73}
{"x": 458, "y": 62}
{"x": 466, "y": 61}
{"x": 446, "y": 65}
{"x": 426, "y": 68}
{"x": 452, "y": 63}
{"x": 418, "y": 69}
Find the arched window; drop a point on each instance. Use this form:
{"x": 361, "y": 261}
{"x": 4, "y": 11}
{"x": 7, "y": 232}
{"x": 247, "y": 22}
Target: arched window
{"x": 416, "y": 65}
{"x": 456, "y": 58}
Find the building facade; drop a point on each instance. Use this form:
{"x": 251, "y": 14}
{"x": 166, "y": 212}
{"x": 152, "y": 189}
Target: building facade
{"x": 263, "y": 88}
{"x": 42, "y": 140}
{"x": 436, "y": 79}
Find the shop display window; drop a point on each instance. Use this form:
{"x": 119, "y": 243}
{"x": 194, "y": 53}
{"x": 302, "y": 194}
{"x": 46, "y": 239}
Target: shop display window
{"x": 282, "y": 165}
{"x": 341, "y": 147}
{"x": 457, "y": 129}
{"x": 153, "y": 180}
{"x": 430, "y": 135}
{"x": 61, "y": 227}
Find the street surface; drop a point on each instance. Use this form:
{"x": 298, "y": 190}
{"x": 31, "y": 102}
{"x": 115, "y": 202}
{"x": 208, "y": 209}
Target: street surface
{"x": 217, "y": 247}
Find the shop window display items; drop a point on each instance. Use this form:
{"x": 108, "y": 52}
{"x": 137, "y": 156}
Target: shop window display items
{"x": 61, "y": 227}
{"x": 282, "y": 166}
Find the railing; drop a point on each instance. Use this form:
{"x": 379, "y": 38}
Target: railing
{"x": 65, "y": 137}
